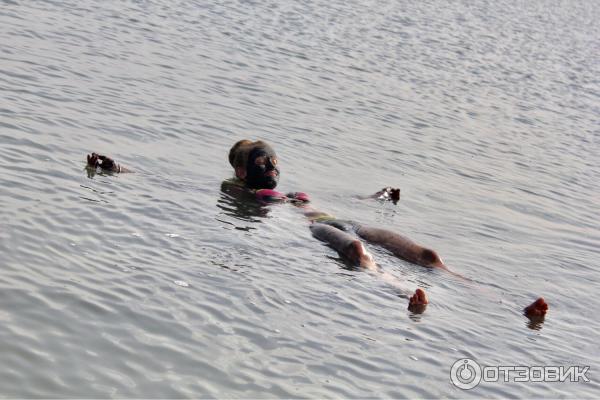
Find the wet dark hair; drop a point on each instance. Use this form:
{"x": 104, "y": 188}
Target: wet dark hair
{"x": 239, "y": 152}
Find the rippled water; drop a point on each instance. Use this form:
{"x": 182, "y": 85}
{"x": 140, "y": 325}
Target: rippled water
{"x": 162, "y": 284}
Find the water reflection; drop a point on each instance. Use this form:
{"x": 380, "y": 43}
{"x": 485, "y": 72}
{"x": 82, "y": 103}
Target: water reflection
{"x": 239, "y": 203}
{"x": 536, "y": 323}
{"x": 416, "y": 315}
{"x": 346, "y": 265}
{"x": 92, "y": 172}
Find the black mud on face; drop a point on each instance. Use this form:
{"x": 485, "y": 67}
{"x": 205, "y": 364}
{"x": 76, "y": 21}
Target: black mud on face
{"x": 256, "y": 173}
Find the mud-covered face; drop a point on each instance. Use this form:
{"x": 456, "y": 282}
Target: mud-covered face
{"x": 262, "y": 171}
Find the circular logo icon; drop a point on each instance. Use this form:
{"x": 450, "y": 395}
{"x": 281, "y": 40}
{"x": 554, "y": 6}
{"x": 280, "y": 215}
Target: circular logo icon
{"x": 465, "y": 374}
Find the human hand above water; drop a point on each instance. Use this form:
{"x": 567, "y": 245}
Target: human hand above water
{"x": 388, "y": 193}
{"x": 95, "y": 160}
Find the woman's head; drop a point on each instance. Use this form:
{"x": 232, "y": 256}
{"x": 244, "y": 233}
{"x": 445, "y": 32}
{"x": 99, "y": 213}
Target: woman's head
{"x": 255, "y": 163}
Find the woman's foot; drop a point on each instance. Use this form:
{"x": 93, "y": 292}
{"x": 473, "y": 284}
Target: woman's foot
{"x": 537, "y": 309}
{"x": 418, "y": 302}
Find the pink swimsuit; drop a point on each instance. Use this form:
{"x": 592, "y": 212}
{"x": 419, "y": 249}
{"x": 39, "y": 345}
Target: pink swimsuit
{"x": 272, "y": 196}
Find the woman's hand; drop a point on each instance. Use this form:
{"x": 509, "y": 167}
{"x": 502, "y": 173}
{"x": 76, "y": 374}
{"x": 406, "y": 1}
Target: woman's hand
{"x": 388, "y": 193}
{"x": 95, "y": 160}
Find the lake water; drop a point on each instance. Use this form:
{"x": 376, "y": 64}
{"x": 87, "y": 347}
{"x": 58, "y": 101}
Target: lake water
{"x": 161, "y": 284}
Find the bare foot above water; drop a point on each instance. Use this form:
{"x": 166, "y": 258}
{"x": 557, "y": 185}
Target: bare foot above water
{"x": 418, "y": 302}
{"x": 537, "y": 309}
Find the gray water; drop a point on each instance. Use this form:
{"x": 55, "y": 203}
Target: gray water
{"x": 161, "y": 284}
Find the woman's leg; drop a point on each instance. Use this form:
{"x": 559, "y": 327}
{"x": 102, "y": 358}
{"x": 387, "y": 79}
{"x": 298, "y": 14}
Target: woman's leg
{"x": 352, "y": 249}
{"x": 345, "y": 244}
{"x": 400, "y": 246}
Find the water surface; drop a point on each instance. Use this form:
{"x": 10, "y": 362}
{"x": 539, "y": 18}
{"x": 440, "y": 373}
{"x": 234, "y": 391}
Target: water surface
{"x": 161, "y": 284}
